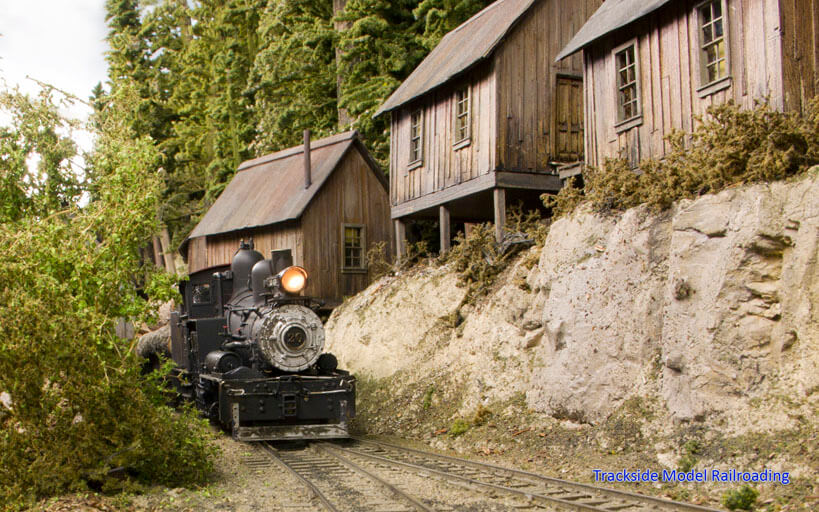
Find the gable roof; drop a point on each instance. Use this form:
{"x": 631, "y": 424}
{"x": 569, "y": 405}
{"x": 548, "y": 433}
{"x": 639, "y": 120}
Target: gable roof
{"x": 473, "y": 41}
{"x": 613, "y": 14}
{"x": 270, "y": 189}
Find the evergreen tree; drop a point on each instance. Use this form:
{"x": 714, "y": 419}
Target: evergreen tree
{"x": 379, "y": 50}
{"x": 220, "y": 81}
{"x": 438, "y": 17}
{"x": 294, "y": 75}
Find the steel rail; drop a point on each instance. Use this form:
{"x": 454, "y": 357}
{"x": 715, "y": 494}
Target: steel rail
{"x": 315, "y": 490}
{"x": 324, "y": 447}
{"x": 607, "y": 491}
{"x": 529, "y": 496}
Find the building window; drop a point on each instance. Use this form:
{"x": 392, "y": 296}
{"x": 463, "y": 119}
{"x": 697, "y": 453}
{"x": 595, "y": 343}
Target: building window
{"x": 628, "y": 84}
{"x": 462, "y": 115}
{"x": 416, "y": 136}
{"x": 713, "y": 46}
{"x": 353, "y": 247}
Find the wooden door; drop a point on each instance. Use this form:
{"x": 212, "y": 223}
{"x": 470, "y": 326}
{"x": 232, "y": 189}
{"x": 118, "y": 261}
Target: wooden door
{"x": 569, "y": 119}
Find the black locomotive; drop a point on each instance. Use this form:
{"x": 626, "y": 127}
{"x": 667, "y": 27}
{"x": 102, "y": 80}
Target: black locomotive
{"x": 248, "y": 350}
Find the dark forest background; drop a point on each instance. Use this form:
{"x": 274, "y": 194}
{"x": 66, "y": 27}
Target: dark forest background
{"x": 220, "y": 82}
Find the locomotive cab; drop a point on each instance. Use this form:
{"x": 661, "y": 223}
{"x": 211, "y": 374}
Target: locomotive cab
{"x": 249, "y": 350}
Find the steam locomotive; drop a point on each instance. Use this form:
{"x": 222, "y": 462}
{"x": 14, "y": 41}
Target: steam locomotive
{"x": 248, "y": 352}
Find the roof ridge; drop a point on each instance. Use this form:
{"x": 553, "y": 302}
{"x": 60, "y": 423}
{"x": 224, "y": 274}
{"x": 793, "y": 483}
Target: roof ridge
{"x": 474, "y": 17}
{"x": 295, "y": 150}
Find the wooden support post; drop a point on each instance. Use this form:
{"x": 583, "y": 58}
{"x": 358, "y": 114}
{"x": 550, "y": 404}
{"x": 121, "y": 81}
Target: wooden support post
{"x": 443, "y": 222}
{"x": 157, "y": 252}
{"x": 167, "y": 251}
{"x": 500, "y": 212}
{"x": 400, "y": 239}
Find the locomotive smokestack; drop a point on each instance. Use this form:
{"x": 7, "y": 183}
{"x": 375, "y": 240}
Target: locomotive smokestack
{"x": 307, "y": 177}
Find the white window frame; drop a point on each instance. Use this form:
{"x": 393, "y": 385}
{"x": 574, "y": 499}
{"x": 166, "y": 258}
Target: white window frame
{"x": 622, "y": 122}
{"x": 710, "y": 87}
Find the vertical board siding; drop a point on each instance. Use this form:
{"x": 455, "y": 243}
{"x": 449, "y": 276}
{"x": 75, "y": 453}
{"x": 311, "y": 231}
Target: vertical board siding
{"x": 443, "y": 166}
{"x": 352, "y": 194}
{"x": 668, "y": 44}
{"x": 528, "y": 101}
{"x": 799, "y": 21}
{"x": 513, "y": 114}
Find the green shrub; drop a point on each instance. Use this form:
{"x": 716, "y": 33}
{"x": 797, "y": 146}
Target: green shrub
{"x": 730, "y": 146}
{"x": 76, "y": 405}
{"x": 427, "y": 403}
{"x": 477, "y": 259}
{"x": 743, "y": 498}
{"x": 459, "y": 427}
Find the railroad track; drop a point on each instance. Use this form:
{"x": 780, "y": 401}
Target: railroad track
{"x": 550, "y": 492}
{"x": 340, "y": 485}
{"x": 364, "y": 477}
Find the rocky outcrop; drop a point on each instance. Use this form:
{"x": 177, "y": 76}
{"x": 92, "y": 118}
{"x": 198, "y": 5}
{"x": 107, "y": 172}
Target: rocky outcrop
{"x": 711, "y": 308}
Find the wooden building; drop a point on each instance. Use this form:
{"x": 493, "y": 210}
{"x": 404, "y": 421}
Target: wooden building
{"x": 651, "y": 66}
{"x": 488, "y": 117}
{"x": 328, "y": 213}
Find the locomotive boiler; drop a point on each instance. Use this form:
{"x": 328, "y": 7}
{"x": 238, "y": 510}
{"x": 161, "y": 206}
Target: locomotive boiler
{"x": 249, "y": 352}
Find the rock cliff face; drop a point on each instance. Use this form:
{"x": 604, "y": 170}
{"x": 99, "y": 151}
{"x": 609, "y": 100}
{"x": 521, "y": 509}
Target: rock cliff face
{"x": 712, "y": 308}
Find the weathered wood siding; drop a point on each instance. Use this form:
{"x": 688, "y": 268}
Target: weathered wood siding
{"x": 526, "y": 110}
{"x": 800, "y": 51}
{"x": 351, "y": 195}
{"x": 204, "y": 252}
{"x": 668, "y": 55}
{"x": 443, "y": 165}
{"x": 529, "y": 112}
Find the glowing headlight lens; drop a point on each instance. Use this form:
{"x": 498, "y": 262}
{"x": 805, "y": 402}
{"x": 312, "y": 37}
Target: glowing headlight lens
{"x": 293, "y": 279}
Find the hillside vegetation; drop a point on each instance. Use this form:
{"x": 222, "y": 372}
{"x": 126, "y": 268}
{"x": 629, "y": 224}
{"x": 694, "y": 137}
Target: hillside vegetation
{"x": 74, "y": 412}
{"x": 729, "y": 146}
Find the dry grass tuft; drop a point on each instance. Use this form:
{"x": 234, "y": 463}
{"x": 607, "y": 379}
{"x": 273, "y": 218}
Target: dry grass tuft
{"x": 729, "y": 147}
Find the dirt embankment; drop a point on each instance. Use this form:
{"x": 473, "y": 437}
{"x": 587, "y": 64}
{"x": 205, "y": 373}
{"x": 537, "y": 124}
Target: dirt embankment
{"x": 674, "y": 340}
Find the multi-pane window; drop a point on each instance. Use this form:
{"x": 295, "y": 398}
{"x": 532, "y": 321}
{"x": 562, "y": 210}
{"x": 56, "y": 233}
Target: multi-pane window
{"x": 461, "y": 115}
{"x": 713, "y": 59}
{"x": 628, "y": 99}
{"x": 353, "y": 247}
{"x": 416, "y": 134}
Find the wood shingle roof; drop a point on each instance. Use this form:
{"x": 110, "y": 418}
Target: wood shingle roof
{"x": 473, "y": 41}
{"x": 613, "y": 14}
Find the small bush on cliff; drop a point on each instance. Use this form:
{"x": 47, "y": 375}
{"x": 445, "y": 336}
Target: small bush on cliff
{"x": 743, "y": 498}
{"x": 730, "y": 146}
{"x": 477, "y": 259}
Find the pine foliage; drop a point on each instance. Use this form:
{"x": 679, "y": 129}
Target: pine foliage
{"x": 221, "y": 81}
{"x": 294, "y": 74}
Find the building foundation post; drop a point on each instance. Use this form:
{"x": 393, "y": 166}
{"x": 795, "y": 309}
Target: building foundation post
{"x": 400, "y": 239}
{"x": 444, "y": 224}
{"x": 500, "y": 212}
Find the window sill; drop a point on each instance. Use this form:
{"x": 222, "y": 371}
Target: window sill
{"x": 462, "y": 144}
{"x": 353, "y": 270}
{"x": 414, "y": 165}
{"x": 628, "y": 124}
{"x": 714, "y": 87}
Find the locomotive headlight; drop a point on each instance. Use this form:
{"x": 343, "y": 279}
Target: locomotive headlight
{"x": 293, "y": 279}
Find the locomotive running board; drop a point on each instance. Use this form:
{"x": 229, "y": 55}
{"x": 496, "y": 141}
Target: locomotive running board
{"x": 290, "y": 433}
{"x": 286, "y": 432}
